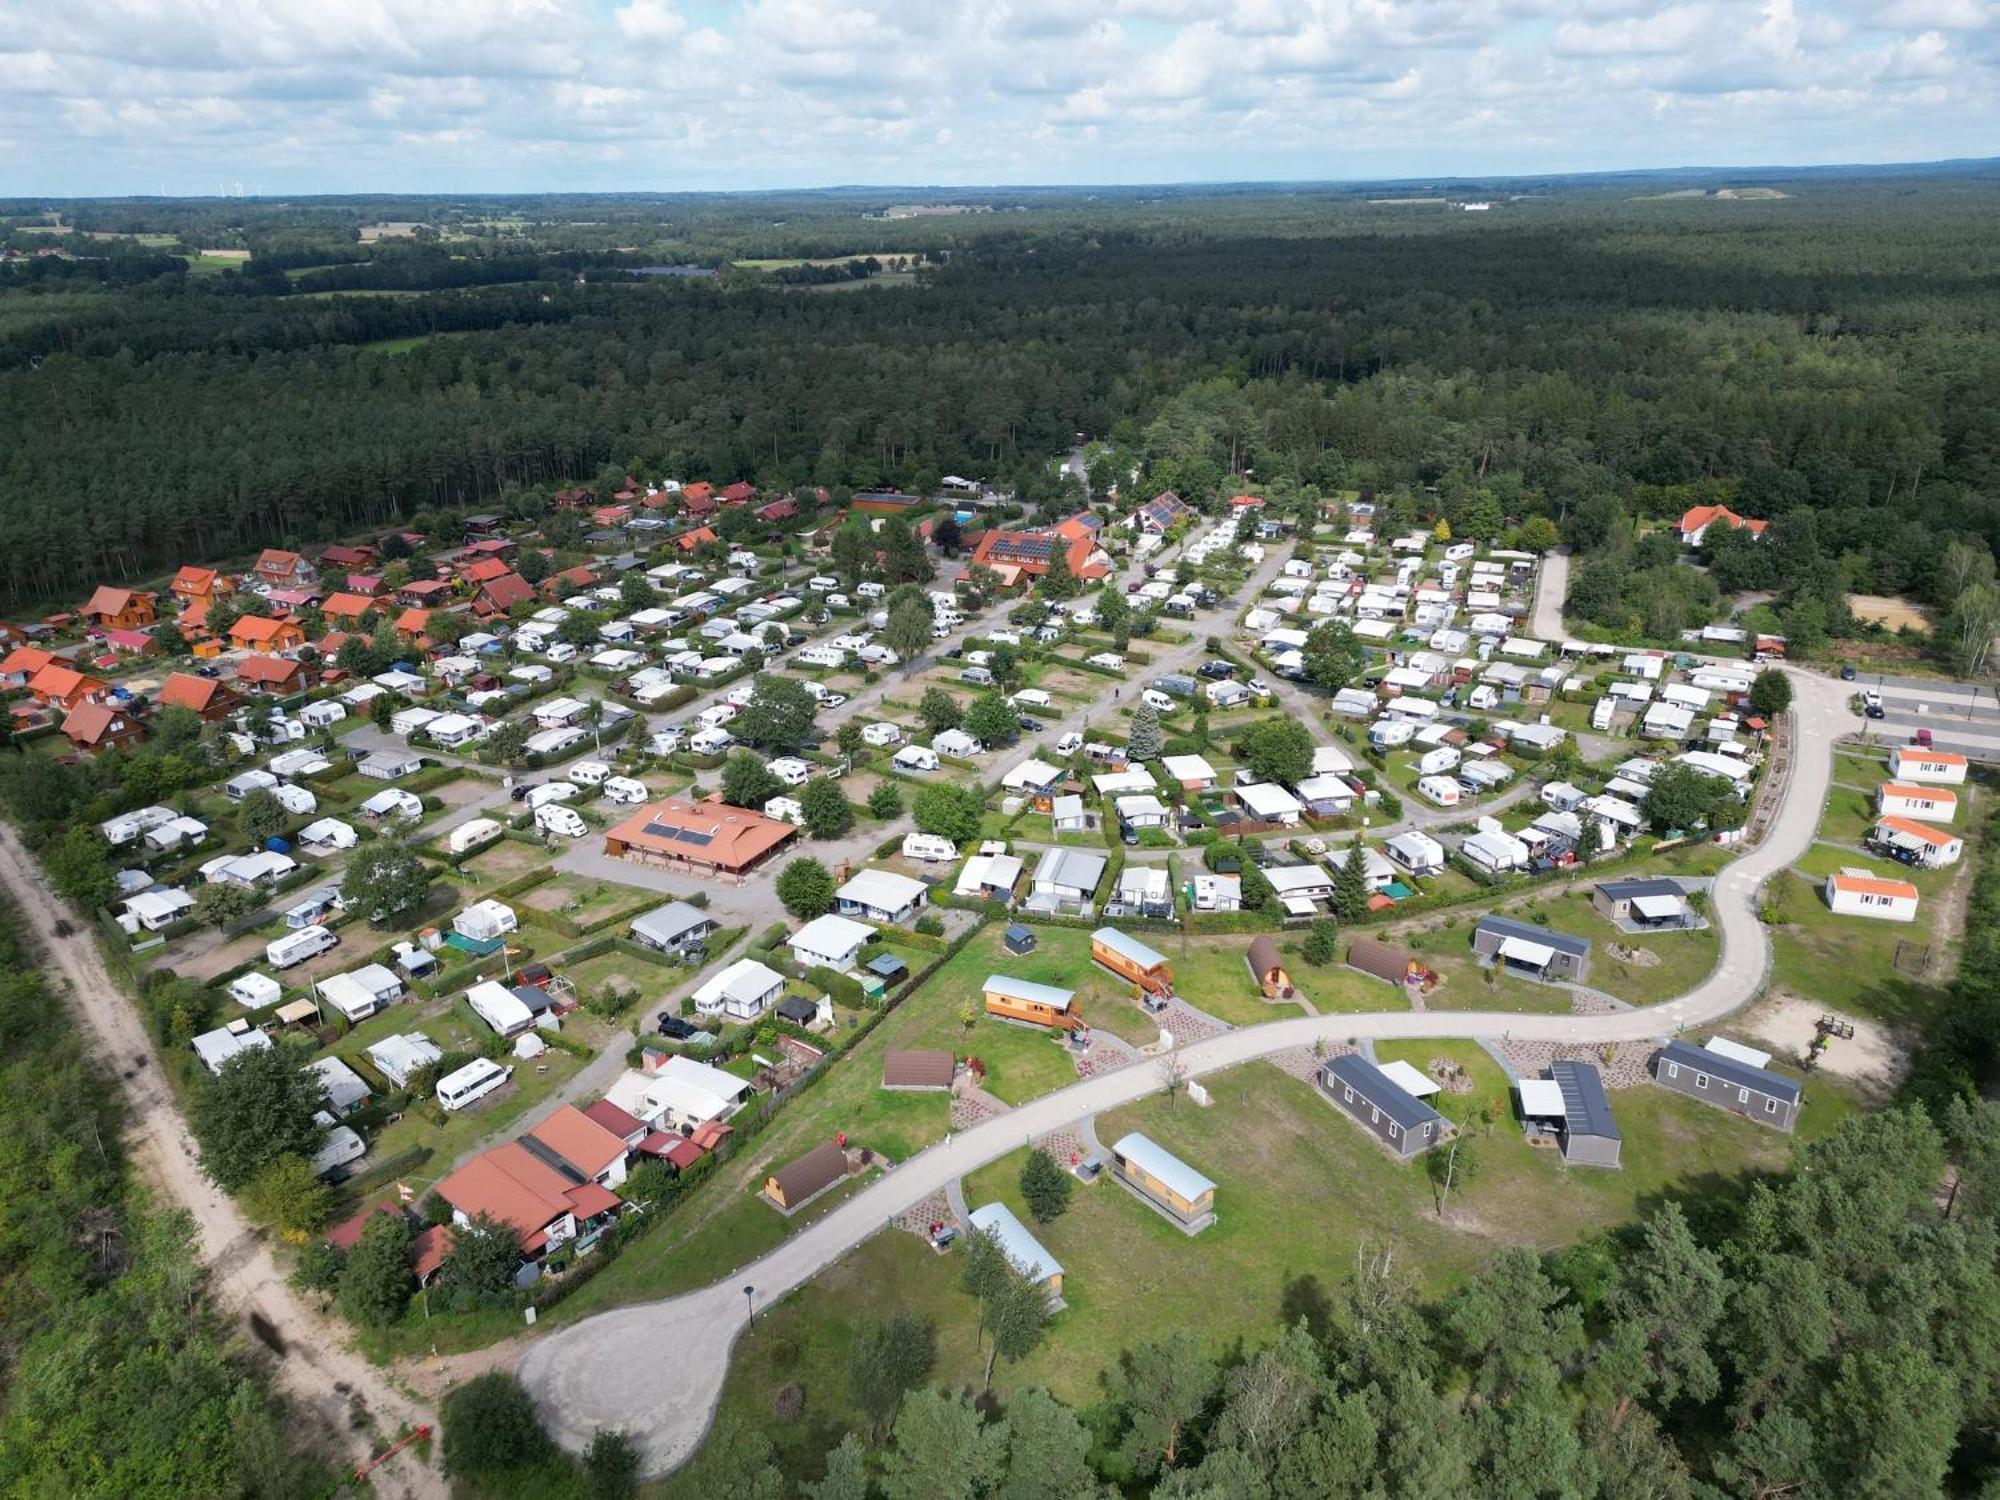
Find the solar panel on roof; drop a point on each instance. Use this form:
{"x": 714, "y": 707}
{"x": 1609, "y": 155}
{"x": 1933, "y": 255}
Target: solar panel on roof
{"x": 693, "y": 836}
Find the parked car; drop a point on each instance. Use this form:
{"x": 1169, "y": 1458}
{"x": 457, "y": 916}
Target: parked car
{"x": 1032, "y": 726}
{"x": 1847, "y": 671}
{"x": 671, "y": 1025}
{"x": 521, "y": 789}
{"x": 1215, "y": 671}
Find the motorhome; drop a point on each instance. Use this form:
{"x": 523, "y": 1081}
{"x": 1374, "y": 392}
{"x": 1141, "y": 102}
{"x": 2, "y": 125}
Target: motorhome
{"x": 471, "y": 1083}
{"x": 297, "y": 947}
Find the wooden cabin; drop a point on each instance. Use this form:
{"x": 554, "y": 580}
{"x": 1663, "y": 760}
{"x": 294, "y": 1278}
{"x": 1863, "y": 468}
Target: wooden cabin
{"x": 1268, "y": 969}
{"x": 804, "y": 1178}
{"x": 1032, "y": 1004}
{"x": 1131, "y": 960}
{"x": 1163, "y": 1179}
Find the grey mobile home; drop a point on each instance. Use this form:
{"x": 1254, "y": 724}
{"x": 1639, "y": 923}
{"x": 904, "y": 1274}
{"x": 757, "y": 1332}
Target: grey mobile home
{"x": 1754, "y": 1093}
{"x": 1394, "y": 1116}
{"x": 1530, "y": 951}
{"x": 1590, "y": 1136}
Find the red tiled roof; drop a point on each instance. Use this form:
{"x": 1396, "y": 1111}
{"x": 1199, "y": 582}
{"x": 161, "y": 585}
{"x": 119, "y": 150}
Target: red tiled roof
{"x": 347, "y": 606}
{"x": 429, "y": 1251}
{"x": 89, "y": 723}
{"x": 504, "y": 592}
{"x": 108, "y": 601}
{"x": 267, "y": 669}
{"x": 707, "y": 833}
{"x": 29, "y": 659}
{"x": 614, "y": 1119}
{"x": 347, "y": 1232}
{"x": 510, "y": 1184}
{"x": 256, "y": 630}
{"x": 484, "y": 569}
{"x": 1696, "y": 517}
{"x": 579, "y": 1140}
{"x": 185, "y": 690}
{"x": 687, "y": 541}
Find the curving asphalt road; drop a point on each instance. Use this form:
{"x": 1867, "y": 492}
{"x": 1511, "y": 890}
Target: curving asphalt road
{"x": 656, "y": 1369}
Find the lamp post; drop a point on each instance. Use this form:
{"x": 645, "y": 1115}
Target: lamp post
{"x": 749, "y": 1293}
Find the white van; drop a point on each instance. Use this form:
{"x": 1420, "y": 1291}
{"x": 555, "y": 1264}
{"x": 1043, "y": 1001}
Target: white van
{"x": 1154, "y": 698}
{"x": 297, "y": 947}
{"x": 471, "y": 1083}
{"x": 565, "y": 822}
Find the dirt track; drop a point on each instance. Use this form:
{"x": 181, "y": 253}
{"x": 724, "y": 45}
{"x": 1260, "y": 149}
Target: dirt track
{"x": 325, "y": 1381}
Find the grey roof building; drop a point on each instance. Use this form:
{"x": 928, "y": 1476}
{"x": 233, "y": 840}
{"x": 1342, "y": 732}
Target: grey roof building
{"x": 1590, "y": 1135}
{"x": 673, "y": 927}
{"x": 1530, "y": 951}
{"x": 1380, "y": 1105}
{"x": 1754, "y": 1093}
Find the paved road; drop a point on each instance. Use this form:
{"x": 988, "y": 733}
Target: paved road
{"x": 1551, "y": 588}
{"x": 656, "y": 1370}
{"x": 347, "y": 1403}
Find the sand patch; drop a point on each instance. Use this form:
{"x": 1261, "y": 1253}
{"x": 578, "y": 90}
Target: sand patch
{"x": 1787, "y": 1024}
{"x": 1888, "y": 611}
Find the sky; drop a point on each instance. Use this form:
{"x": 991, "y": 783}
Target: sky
{"x": 282, "y": 97}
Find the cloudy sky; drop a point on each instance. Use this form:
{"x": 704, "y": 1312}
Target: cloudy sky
{"x": 297, "y": 96}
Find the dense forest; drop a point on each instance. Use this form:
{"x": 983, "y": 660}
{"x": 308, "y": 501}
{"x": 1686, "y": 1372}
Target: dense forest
{"x": 1590, "y": 357}
{"x": 114, "y": 1380}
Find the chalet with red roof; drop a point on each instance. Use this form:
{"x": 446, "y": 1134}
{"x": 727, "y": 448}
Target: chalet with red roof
{"x": 499, "y": 595}
{"x": 740, "y": 493}
{"x": 120, "y": 609}
{"x": 484, "y": 570}
{"x": 1018, "y": 556}
{"x": 22, "y": 663}
{"x": 205, "y": 697}
{"x": 94, "y": 727}
{"x": 283, "y": 570}
{"x": 700, "y": 505}
{"x": 271, "y": 674}
{"x": 59, "y": 685}
{"x": 343, "y": 558}
{"x": 192, "y": 583}
{"x": 348, "y": 609}
{"x": 687, "y": 541}
{"x": 256, "y": 633}
{"x": 568, "y": 581}
{"x": 781, "y": 509}
{"x": 412, "y": 623}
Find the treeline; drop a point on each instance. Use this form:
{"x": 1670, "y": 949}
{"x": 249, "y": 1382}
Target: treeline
{"x": 115, "y": 1381}
{"x": 1827, "y": 356}
{"x": 1828, "y": 1334}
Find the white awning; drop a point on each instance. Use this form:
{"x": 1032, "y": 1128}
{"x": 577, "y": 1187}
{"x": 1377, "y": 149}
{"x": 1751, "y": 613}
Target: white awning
{"x": 1521, "y": 951}
{"x": 1408, "y": 1078}
{"x": 1542, "y": 1099}
{"x": 1721, "y": 1046}
{"x": 1299, "y": 906}
{"x": 1658, "y": 908}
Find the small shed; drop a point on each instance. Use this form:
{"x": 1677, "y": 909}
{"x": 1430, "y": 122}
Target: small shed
{"x": 915, "y": 1070}
{"x": 804, "y": 1178}
{"x": 887, "y": 967}
{"x": 1267, "y": 969}
{"x": 1020, "y": 939}
{"x": 798, "y": 1010}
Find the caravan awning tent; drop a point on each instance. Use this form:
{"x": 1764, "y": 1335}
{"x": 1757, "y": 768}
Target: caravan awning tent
{"x": 1410, "y": 1079}
{"x": 1658, "y": 908}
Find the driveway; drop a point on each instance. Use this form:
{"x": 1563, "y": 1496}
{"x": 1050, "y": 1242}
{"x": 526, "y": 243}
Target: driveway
{"x": 656, "y": 1370}
{"x": 1551, "y": 588}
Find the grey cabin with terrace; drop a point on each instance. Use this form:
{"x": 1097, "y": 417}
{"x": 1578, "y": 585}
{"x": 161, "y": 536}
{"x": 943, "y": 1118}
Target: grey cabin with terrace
{"x": 1754, "y": 1093}
{"x": 1652, "y": 903}
{"x": 1590, "y": 1135}
{"x": 1532, "y": 952}
{"x": 1381, "y": 1106}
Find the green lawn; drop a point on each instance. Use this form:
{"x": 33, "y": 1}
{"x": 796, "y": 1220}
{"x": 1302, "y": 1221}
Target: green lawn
{"x": 1846, "y": 962}
{"x": 1210, "y": 972}
{"x": 1678, "y": 960}
{"x": 1848, "y": 816}
{"x": 1300, "y": 1190}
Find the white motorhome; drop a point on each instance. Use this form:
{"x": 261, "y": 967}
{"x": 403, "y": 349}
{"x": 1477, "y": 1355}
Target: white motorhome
{"x": 297, "y": 947}
{"x": 564, "y": 822}
{"x": 471, "y": 1083}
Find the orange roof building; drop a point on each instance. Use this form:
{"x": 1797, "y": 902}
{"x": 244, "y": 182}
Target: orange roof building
{"x": 64, "y": 686}
{"x": 93, "y": 726}
{"x": 191, "y": 583}
{"x": 270, "y": 674}
{"x": 120, "y": 609}
{"x": 256, "y": 633}
{"x": 204, "y": 696}
{"x": 588, "y": 1147}
{"x": 1031, "y": 553}
{"x": 485, "y": 570}
{"x": 1698, "y": 519}
{"x": 708, "y": 837}
{"x": 285, "y": 569}
{"x": 412, "y": 623}
{"x": 24, "y": 662}
{"x": 500, "y": 594}
{"x": 687, "y": 541}
{"x": 347, "y": 606}
{"x": 531, "y": 1197}
{"x": 1858, "y": 893}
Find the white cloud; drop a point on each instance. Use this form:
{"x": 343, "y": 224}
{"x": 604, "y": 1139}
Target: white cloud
{"x": 109, "y": 95}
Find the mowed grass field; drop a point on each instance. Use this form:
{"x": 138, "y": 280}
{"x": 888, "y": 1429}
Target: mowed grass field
{"x": 1301, "y": 1191}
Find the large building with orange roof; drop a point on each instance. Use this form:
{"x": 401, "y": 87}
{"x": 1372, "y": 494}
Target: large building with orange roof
{"x": 205, "y": 697}
{"x": 92, "y": 726}
{"x": 1018, "y": 555}
{"x": 1696, "y": 521}
{"x": 708, "y": 837}
{"x": 191, "y": 583}
{"x": 63, "y": 686}
{"x": 256, "y": 633}
{"x": 544, "y": 1205}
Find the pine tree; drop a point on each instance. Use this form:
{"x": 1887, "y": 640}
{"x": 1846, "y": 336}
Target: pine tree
{"x": 1146, "y": 738}
{"x": 1350, "y": 884}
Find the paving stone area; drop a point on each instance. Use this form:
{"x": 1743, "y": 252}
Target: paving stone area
{"x": 971, "y": 1106}
{"x": 1067, "y": 1145}
{"x": 1188, "y": 1024}
{"x": 1302, "y": 1062}
{"x": 918, "y": 1217}
{"x": 1627, "y": 1068}
{"x": 1105, "y": 1053}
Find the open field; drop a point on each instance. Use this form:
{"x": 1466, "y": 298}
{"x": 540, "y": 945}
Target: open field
{"x": 1301, "y": 1192}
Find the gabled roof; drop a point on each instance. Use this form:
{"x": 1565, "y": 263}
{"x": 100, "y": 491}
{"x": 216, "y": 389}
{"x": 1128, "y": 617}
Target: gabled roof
{"x": 484, "y": 570}
{"x": 1870, "y": 885}
{"x": 1380, "y": 1090}
{"x": 89, "y": 723}
{"x": 347, "y": 606}
{"x": 1701, "y": 515}
{"x": 1586, "y": 1109}
{"x": 108, "y": 601}
{"x": 579, "y": 1140}
{"x": 185, "y": 690}
{"x": 1562, "y": 942}
{"x": 819, "y": 1169}
{"x": 1761, "y": 1080}
{"x": 257, "y": 630}
{"x": 505, "y": 591}
{"x": 267, "y": 669}
{"x": 55, "y": 681}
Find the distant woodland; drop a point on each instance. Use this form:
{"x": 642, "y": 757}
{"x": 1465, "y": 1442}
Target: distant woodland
{"x": 1826, "y": 359}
